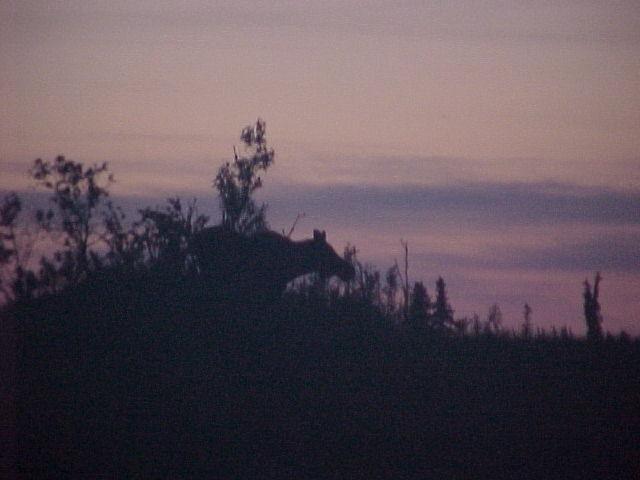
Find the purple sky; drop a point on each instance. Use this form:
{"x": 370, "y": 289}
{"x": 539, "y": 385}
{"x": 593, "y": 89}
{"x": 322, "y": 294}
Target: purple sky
{"x": 501, "y": 139}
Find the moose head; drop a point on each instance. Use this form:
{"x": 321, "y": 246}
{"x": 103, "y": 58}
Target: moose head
{"x": 326, "y": 261}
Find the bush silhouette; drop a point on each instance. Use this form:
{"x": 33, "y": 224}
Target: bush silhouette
{"x": 237, "y": 181}
{"x": 592, "y": 313}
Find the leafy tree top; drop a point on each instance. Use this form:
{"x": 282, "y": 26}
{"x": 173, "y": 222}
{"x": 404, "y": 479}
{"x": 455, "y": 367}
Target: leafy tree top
{"x": 237, "y": 181}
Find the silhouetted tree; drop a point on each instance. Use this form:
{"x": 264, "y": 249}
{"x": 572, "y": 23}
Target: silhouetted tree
{"x": 350, "y": 256}
{"x": 494, "y": 320}
{"x": 77, "y": 193}
{"x": 236, "y": 182}
{"x": 420, "y": 307}
{"x": 124, "y": 243}
{"x": 405, "y": 279}
{"x": 367, "y": 283}
{"x": 476, "y": 324}
{"x": 461, "y": 325}
{"x": 565, "y": 333}
{"x": 443, "y": 313}
{"x": 624, "y": 337}
{"x": 165, "y": 234}
{"x": 9, "y": 210}
{"x": 592, "y": 314}
{"x": 391, "y": 289}
{"x": 365, "y": 286}
{"x": 526, "y": 325}
{"x": 17, "y": 280}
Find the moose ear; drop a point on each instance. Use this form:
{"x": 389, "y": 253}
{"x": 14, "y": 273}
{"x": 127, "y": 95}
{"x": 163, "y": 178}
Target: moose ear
{"x": 324, "y": 235}
{"x": 316, "y": 235}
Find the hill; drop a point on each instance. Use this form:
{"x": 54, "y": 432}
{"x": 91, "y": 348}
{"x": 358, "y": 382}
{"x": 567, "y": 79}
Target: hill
{"x": 172, "y": 388}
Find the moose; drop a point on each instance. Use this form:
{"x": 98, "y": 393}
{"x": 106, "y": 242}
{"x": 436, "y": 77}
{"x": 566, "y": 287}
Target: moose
{"x": 260, "y": 266}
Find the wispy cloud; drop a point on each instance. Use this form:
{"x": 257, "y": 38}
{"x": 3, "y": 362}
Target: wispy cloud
{"x": 610, "y": 252}
{"x": 470, "y": 204}
{"x": 497, "y": 204}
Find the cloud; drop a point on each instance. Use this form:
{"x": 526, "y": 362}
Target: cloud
{"x": 488, "y": 204}
{"x": 619, "y": 253}
{"x": 478, "y": 205}
{"x": 608, "y": 252}
{"x": 563, "y": 226}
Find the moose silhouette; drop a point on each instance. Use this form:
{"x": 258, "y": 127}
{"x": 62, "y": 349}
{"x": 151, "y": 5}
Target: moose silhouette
{"x": 260, "y": 266}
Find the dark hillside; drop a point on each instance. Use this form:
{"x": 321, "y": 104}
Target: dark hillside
{"x": 122, "y": 387}
{"x": 170, "y": 348}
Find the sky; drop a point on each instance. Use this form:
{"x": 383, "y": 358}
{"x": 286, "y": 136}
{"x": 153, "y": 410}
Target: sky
{"x": 501, "y": 139}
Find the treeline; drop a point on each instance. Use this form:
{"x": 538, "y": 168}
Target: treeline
{"x": 85, "y": 234}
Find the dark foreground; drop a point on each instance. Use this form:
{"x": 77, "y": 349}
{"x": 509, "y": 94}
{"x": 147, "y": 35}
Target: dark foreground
{"x": 301, "y": 392}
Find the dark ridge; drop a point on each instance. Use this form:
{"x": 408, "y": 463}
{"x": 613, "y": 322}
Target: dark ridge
{"x": 139, "y": 377}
